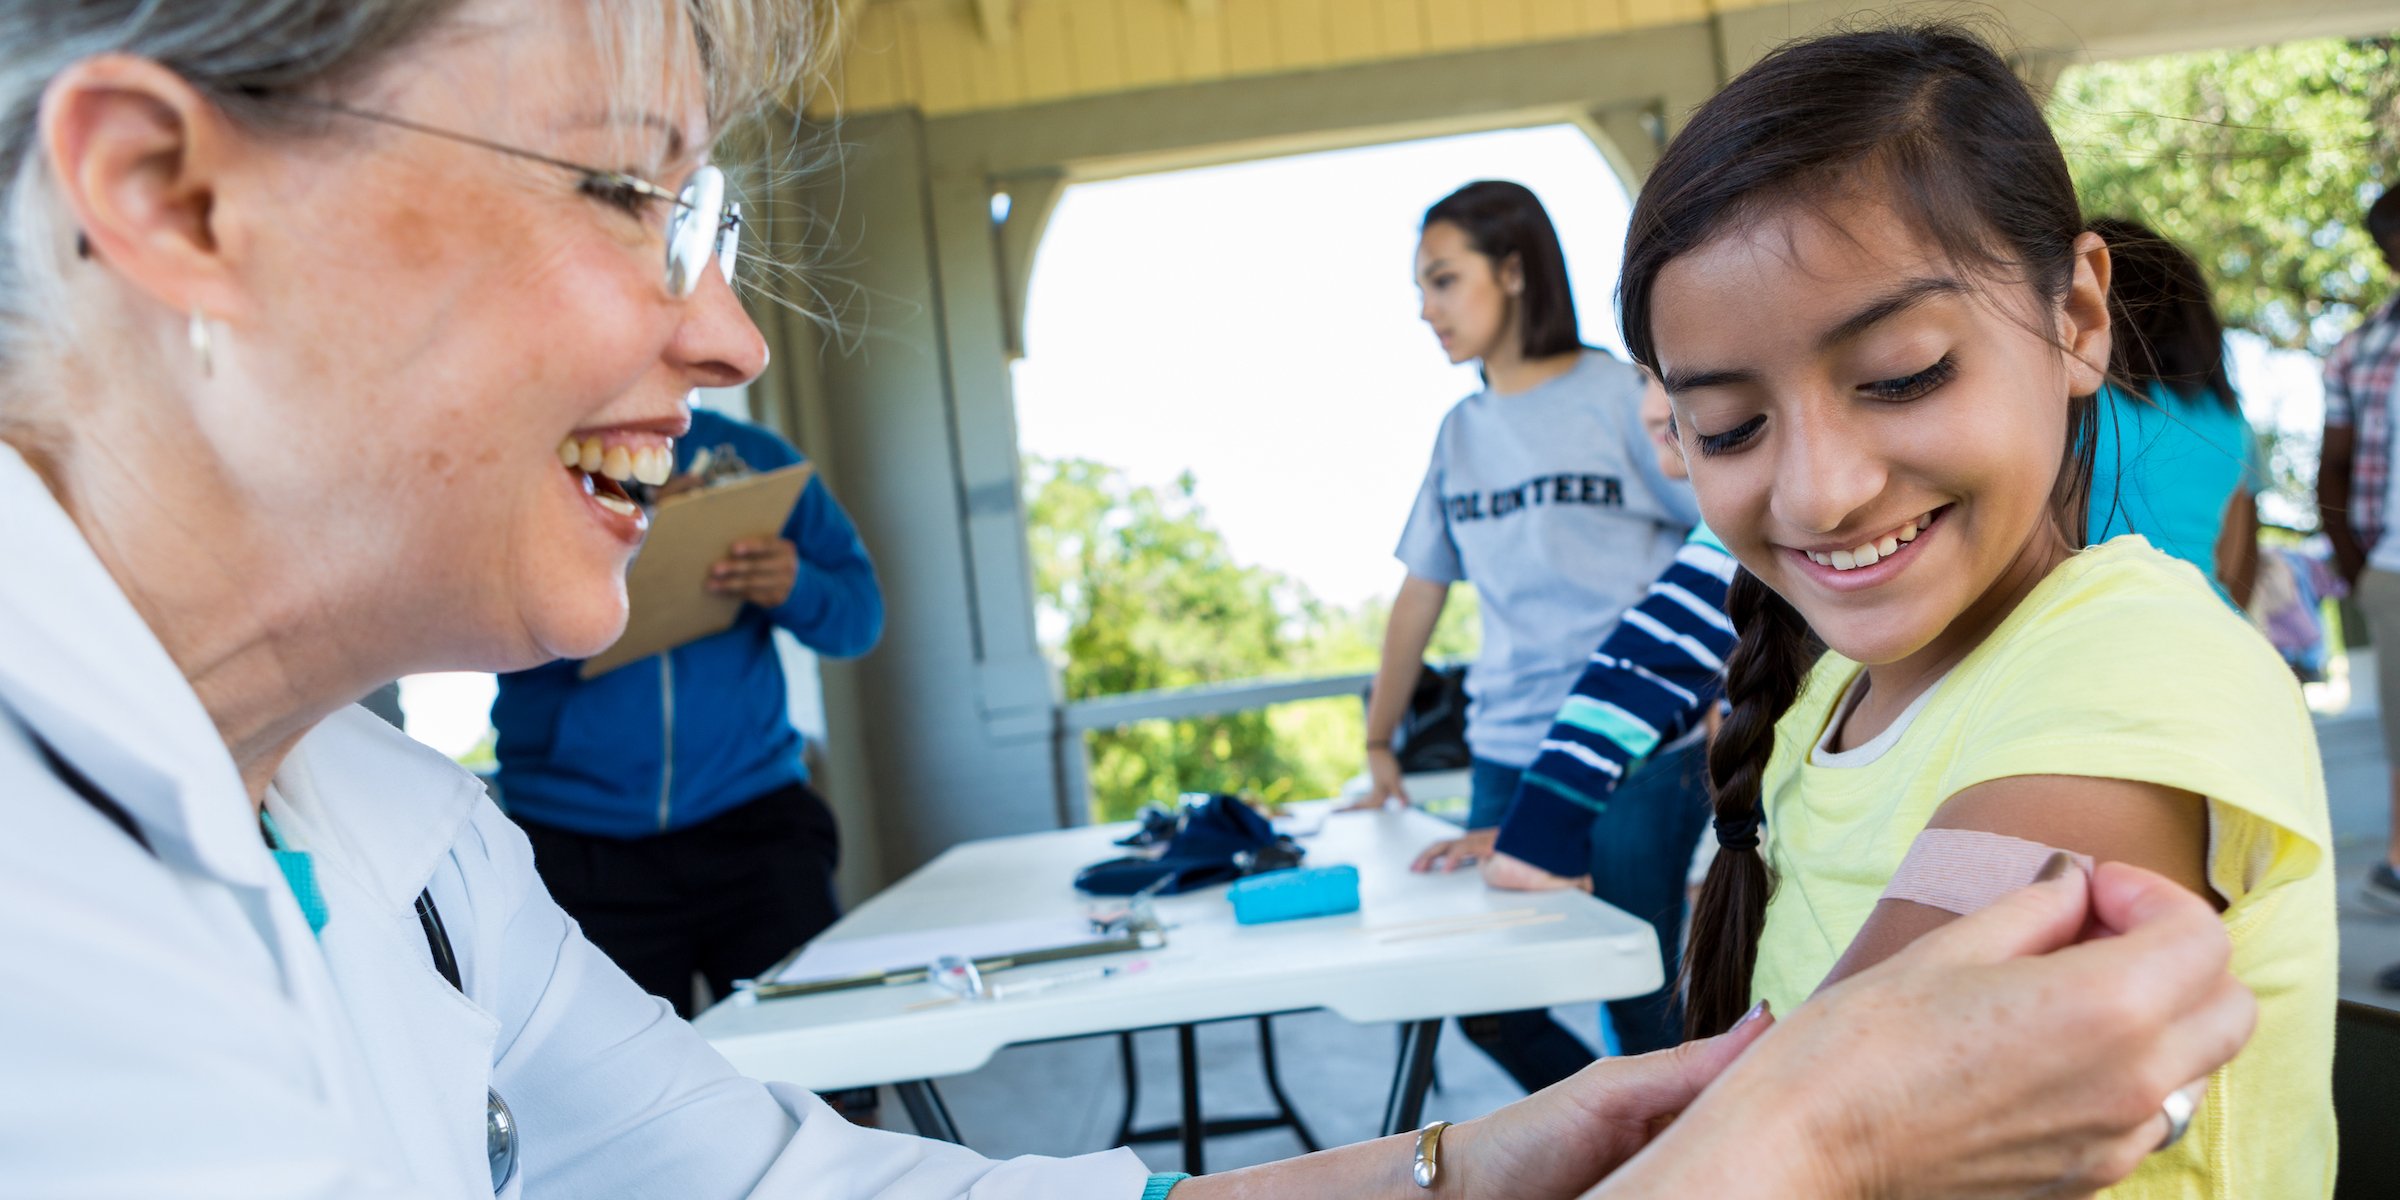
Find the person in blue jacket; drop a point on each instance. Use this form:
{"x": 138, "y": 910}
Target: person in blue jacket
{"x": 669, "y": 811}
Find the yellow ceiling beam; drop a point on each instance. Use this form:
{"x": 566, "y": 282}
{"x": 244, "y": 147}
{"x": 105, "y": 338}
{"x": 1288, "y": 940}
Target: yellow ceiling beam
{"x": 996, "y": 19}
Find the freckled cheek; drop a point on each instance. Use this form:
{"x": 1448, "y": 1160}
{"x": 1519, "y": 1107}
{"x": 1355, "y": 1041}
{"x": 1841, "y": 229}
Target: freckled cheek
{"x": 1733, "y": 491}
{"x": 2005, "y": 447}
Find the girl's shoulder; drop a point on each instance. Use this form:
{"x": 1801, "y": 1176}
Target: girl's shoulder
{"x": 2122, "y": 620}
{"x": 2131, "y": 652}
{"x": 2129, "y": 589}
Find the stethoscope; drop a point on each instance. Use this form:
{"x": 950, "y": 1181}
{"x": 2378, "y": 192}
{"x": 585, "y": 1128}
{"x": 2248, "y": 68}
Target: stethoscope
{"x": 499, "y": 1125}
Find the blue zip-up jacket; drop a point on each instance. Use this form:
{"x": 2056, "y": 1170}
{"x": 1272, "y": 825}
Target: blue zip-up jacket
{"x": 677, "y": 738}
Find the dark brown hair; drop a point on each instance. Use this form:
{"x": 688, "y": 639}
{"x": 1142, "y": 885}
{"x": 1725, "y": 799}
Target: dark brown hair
{"x": 1504, "y": 220}
{"x": 2163, "y": 325}
{"x": 1934, "y": 120}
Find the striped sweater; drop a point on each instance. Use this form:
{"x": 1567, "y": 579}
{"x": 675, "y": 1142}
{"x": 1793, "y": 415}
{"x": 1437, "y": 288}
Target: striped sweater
{"x": 1647, "y": 685}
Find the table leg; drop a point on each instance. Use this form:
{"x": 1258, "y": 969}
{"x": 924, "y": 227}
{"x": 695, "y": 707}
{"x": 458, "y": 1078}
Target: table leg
{"x": 1195, "y": 1130}
{"x": 927, "y": 1112}
{"x": 1133, "y": 1090}
{"x": 1283, "y": 1103}
{"x": 1414, "y": 1075}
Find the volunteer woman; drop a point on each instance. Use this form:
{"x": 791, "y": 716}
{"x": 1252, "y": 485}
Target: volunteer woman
{"x": 301, "y": 300}
{"x": 1544, "y": 492}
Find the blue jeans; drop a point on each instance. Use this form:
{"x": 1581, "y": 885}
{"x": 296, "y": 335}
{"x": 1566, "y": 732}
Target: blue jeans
{"x": 1641, "y": 852}
{"x": 1535, "y": 1050}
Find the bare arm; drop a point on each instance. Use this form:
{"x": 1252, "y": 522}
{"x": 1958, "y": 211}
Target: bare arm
{"x": 2237, "y": 546}
{"x": 1549, "y": 1146}
{"x": 1415, "y": 611}
{"x": 2333, "y": 500}
{"x": 2113, "y": 820}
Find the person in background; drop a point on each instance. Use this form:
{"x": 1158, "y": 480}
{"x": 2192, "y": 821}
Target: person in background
{"x": 1544, "y": 493}
{"x": 1615, "y": 802}
{"x": 2173, "y": 459}
{"x": 2354, "y": 482}
{"x": 666, "y": 800}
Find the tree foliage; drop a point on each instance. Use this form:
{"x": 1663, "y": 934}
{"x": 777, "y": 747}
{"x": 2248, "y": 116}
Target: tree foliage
{"x": 1139, "y": 592}
{"x": 2261, "y": 161}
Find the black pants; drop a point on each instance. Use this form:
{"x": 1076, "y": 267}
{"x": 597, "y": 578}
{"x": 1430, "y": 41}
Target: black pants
{"x": 726, "y": 897}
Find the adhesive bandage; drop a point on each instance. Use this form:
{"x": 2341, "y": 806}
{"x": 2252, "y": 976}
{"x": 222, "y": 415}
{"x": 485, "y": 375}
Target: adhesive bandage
{"x": 1962, "y": 870}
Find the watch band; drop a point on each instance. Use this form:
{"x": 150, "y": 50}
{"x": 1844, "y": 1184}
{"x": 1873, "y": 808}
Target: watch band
{"x": 1428, "y": 1166}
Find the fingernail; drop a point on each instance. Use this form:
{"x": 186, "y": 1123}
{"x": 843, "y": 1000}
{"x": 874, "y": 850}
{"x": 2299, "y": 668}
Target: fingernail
{"x": 2056, "y": 866}
{"x": 1757, "y": 1010}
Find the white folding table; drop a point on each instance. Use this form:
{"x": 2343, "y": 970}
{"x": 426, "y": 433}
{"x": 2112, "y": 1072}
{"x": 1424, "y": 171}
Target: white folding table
{"x": 1570, "y": 948}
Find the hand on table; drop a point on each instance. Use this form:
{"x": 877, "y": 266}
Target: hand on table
{"x": 1383, "y": 769}
{"x": 1994, "y": 1057}
{"x": 1450, "y": 854}
{"x": 758, "y": 570}
{"x": 1508, "y": 873}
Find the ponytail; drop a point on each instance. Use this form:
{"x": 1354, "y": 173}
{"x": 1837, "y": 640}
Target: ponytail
{"x": 1763, "y": 675}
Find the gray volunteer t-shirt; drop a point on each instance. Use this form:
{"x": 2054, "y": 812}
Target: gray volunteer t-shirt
{"x": 1551, "y": 502}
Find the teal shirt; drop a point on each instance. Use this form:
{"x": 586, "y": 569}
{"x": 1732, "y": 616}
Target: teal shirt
{"x": 2164, "y": 466}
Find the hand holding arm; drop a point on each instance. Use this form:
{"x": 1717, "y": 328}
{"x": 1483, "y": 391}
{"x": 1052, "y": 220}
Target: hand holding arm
{"x": 1983, "y": 1061}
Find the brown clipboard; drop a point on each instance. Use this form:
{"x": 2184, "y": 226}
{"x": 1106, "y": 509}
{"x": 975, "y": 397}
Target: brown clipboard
{"x": 667, "y": 585}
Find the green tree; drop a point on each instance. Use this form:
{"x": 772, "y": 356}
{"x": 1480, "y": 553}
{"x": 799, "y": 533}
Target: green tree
{"x": 2260, "y": 161}
{"x": 1149, "y": 597}
{"x": 1138, "y": 591}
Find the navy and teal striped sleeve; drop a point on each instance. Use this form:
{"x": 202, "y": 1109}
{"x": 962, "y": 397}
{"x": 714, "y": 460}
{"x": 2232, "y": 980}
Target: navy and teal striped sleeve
{"x": 1648, "y": 684}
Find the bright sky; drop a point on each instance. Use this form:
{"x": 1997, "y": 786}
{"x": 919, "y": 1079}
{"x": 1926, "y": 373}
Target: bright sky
{"x": 1256, "y": 324}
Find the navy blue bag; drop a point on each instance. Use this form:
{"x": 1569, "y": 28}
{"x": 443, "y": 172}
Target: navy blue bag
{"x": 1218, "y": 839}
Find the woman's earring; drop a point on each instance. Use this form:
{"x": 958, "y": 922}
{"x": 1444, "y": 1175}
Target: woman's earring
{"x": 202, "y": 344}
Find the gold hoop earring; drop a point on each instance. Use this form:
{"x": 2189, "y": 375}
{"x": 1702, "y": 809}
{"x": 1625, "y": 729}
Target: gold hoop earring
{"x": 203, "y": 345}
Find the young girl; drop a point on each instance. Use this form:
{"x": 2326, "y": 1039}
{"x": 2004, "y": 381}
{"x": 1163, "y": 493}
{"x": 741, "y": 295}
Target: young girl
{"x": 1543, "y": 492}
{"x": 1861, "y": 273}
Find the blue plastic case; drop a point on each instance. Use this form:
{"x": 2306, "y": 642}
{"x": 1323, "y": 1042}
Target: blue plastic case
{"x": 1295, "y": 893}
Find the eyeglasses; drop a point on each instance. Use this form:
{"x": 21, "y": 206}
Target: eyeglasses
{"x": 703, "y": 225}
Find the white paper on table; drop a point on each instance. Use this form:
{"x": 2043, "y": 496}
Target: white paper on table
{"x": 845, "y": 957}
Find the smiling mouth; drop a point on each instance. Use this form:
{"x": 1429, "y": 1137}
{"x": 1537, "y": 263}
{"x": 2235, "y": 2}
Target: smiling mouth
{"x": 603, "y": 464}
{"x": 1870, "y": 553}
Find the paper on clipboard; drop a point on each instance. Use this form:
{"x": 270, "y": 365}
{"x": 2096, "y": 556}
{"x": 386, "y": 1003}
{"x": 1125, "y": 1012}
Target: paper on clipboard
{"x": 667, "y": 584}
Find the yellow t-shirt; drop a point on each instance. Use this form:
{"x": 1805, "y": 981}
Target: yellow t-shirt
{"x": 2121, "y": 665}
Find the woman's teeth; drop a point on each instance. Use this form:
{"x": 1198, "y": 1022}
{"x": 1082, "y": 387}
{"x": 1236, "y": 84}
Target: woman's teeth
{"x": 1873, "y": 552}
{"x": 646, "y": 464}
{"x": 617, "y": 504}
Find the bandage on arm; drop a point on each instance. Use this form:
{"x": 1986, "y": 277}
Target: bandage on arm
{"x": 1964, "y": 870}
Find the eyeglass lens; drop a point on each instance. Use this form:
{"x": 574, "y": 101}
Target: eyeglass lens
{"x": 702, "y": 227}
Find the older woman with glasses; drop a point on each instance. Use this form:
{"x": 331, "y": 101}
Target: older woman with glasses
{"x": 303, "y": 304}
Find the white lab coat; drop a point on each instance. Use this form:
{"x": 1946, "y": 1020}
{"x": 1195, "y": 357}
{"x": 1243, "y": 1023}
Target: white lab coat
{"x": 169, "y": 1026}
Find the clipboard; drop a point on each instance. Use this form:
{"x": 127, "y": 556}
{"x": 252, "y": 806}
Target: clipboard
{"x": 667, "y": 584}
{"x": 1146, "y": 936}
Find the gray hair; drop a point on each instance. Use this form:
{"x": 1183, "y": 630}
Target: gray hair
{"x": 243, "y": 53}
